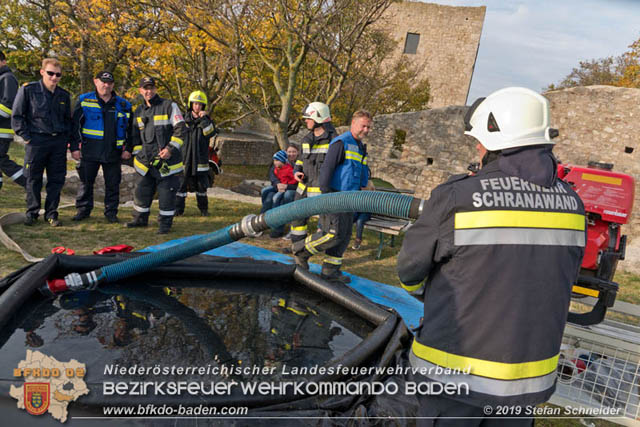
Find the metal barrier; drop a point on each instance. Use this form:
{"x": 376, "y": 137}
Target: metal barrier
{"x": 599, "y": 368}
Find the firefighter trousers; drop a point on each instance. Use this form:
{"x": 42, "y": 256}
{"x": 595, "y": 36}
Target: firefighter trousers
{"x": 332, "y": 239}
{"x": 201, "y": 182}
{"x": 52, "y": 157}
{"x": 8, "y": 166}
{"x": 146, "y": 187}
{"x": 299, "y": 226}
{"x": 88, "y": 171}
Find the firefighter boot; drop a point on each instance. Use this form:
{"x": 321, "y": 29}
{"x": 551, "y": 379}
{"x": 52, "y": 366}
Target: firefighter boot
{"x": 139, "y": 220}
{"x": 331, "y": 273}
{"x": 203, "y": 203}
{"x": 180, "y": 202}
{"x": 164, "y": 224}
{"x": 300, "y": 254}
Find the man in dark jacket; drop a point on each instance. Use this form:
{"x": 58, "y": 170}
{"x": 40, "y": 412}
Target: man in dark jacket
{"x": 8, "y": 89}
{"x": 160, "y": 134}
{"x": 195, "y": 154}
{"x": 101, "y": 121}
{"x": 42, "y": 117}
{"x": 499, "y": 251}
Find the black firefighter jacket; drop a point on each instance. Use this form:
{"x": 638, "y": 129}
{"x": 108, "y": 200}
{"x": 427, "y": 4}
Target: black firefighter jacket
{"x": 158, "y": 126}
{"x": 314, "y": 150}
{"x": 195, "y": 151}
{"x": 8, "y": 89}
{"x": 500, "y": 252}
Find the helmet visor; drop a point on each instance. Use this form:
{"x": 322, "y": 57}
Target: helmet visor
{"x": 467, "y": 118}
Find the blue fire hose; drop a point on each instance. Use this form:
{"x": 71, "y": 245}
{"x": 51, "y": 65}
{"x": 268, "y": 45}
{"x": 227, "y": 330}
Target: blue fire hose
{"x": 384, "y": 203}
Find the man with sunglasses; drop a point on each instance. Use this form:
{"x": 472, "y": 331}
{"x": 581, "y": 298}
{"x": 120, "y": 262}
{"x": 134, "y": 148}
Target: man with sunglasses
{"x": 101, "y": 122}
{"x": 42, "y": 117}
{"x": 494, "y": 256}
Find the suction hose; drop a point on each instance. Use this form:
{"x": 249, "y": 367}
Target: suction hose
{"x": 385, "y": 203}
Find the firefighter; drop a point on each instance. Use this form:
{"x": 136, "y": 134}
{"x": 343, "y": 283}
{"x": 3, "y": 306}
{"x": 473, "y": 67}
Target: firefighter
{"x": 315, "y": 145}
{"x": 500, "y": 251}
{"x": 101, "y": 122}
{"x": 157, "y": 142}
{"x": 344, "y": 169}
{"x": 42, "y": 117}
{"x": 195, "y": 152}
{"x": 8, "y": 89}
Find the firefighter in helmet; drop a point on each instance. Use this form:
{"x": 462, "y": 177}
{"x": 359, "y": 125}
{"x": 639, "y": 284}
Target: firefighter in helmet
{"x": 498, "y": 252}
{"x": 315, "y": 146}
{"x": 195, "y": 154}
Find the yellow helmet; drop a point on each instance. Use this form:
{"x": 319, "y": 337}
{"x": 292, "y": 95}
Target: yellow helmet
{"x": 197, "y": 96}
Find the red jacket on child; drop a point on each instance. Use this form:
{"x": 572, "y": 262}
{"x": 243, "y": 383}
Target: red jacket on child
{"x": 285, "y": 174}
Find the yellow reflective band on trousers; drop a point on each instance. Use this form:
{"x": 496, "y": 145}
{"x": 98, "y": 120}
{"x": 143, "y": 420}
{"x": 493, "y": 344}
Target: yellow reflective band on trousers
{"x": 519, "y": 219}
{"x": 486, "y": 368}
{"x": 332, "y": 260}
{"x": 411, "y": 288}
{"x": 311, "y": 245}
{"x": 490, "y": 386}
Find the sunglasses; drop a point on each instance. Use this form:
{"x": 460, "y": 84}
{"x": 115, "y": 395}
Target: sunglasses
{"x": 52, "y": 73}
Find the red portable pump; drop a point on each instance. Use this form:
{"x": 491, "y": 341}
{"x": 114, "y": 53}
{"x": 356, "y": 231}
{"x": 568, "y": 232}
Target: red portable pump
{"x": 608, "y": 200}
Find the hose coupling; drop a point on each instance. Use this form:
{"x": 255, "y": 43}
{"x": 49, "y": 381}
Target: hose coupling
{"x": 247, "y": 227}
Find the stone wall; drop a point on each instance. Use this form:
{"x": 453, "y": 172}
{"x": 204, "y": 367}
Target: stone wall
{"x": 448, "y": 46}
{"x": 420, "y": 150}
{"x": 245, "y": 149}
{"x": 127, "y": 185}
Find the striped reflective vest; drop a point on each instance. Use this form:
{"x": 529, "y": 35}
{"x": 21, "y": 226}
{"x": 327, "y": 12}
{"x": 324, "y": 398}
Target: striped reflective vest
{"x": 93, "y": 126}
{"x": 499, "y": 255}
{"x": 352, "y": 172}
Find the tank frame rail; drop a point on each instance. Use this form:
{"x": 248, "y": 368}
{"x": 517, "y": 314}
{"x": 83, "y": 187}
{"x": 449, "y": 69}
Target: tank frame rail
{"x": 599, "y": 368}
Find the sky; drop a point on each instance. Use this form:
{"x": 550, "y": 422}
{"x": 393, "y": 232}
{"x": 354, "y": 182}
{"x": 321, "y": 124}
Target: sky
{"x": 533, "y": 43}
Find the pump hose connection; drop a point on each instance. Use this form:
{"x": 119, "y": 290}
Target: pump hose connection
{"x": 383, "y": 203}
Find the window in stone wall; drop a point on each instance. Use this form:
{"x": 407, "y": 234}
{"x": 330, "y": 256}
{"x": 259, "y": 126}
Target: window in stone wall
{"x": 399, "y": 139}
{"x": 411, "y": 43}
{"x": 628, "y": 150}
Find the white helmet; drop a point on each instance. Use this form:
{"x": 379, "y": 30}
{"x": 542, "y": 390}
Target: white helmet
{"x": 318, "y": 112}
{"x": 511, "y": 117}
